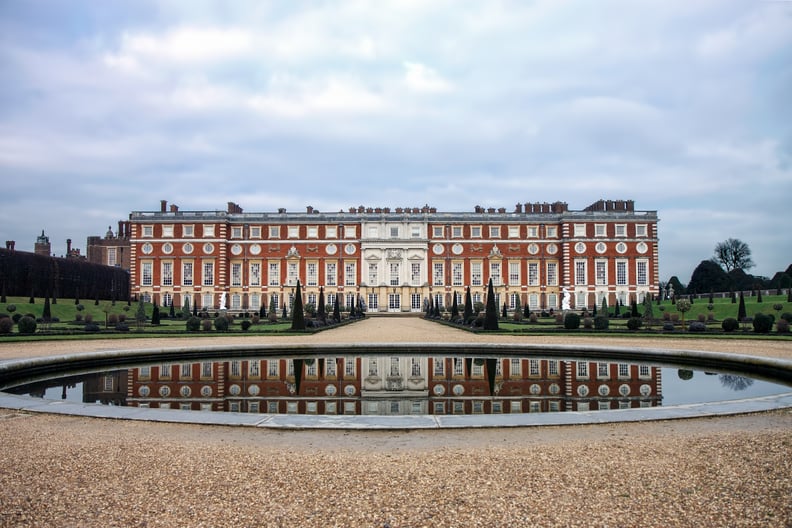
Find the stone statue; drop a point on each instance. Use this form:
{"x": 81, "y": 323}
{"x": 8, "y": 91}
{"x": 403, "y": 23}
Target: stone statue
{"x": 565, "y": 299}
{"x": 223, "y": 301}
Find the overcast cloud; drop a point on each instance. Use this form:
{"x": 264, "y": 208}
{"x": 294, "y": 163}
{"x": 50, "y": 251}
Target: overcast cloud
{"x": 684, "y": 107}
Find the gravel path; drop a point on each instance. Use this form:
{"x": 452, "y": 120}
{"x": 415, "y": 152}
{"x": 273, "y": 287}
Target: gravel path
{"x": 72, "y": 471}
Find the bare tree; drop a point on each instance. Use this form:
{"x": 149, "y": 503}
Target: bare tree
{"x": 733, "y": 254}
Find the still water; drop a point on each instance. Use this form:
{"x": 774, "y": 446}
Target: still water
{"x": 399, "y": 385}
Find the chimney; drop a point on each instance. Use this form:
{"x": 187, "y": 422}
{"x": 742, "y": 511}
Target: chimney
{"x": 174, "y": 208}
{"x": 163, "y": 206}
{"x": 309, "y": 209}
{"x": 68, "y": 247}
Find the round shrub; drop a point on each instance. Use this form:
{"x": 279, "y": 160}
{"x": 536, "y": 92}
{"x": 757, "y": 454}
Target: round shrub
{"x": 6, "y": 325}
{"x": 256, "y": 319}
{"x": 572, "y": 321}
{"x": 121, "y": 318}
{"x": 601, "y": 322}
{"x": 588, "y": 322}
{"x": 193, "y": 324}
{"x": 634, "y": 323}
{"x": 701, "y": 318}
{"x": 697, "y": 326}
{"x": 762, "y": 323}
{"x": 782, "y": 326}
{"x": 245, "y": 325}
{"x": 16, "y": 317}
{"x": 668, "y": 326}
{"x": 787, "y": 317}
{"x": 730, "y": 324}
{"x": 91, "y": 327}
{"x": 206, "y": 324}
{"x": 78, "y": 317}
{"x": 122, "y": 327}
{"x": 112, "y": 319}
{"x": 88, "y": 318}
{"x": 533, "y": 317}
{"x": 221, "y": 324}
{"x": 26, "y": 325}
{"x": 11, "y": 308}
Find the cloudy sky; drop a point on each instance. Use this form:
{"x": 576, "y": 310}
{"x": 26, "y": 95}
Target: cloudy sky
{"x": 683, "y": 106}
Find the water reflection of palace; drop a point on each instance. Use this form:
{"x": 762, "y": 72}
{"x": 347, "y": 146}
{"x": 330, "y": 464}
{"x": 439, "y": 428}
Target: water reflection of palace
{"x": 395, "y": 385}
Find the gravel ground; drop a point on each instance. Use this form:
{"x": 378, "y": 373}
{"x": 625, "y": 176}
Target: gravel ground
{"x": 72, "y": 471}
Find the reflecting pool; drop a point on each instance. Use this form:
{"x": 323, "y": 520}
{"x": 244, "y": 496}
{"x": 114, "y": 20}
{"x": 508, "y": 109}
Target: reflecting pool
{"x": 399, "y": 384}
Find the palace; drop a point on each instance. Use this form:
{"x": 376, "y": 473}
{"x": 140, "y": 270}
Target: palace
{"x": 393, "y": 260}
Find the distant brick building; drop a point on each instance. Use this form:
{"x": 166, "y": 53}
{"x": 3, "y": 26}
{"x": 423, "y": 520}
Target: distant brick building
{"x": 112, "y": 249}
{"x": 539, "y": 254}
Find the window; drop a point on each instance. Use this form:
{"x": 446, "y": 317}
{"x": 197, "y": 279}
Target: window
{"x": 272, "y": 368}
{"x": 580, "y": 230}
{"x": 349, "y": 367}
{"x": 515, "y": 368}
{"x": 293, "y": 231}
{"x": 147, "y": 273}
{"x": 437, "y": 232}
{"x": 624, "y": 370}
{"x": 475, "y": 274}
{"x": 255, "y": 301}
{"x": 415, "y": 302}
{"x": 165, "y": 371}
{"x": 475, "y": 231}
{"x": 641, "y": 268}
{"x": 552, "y": 231}
{"x": 514, "y": 231}
{"x": 600, "y": 230}
{"x": 643, "y": 371}
{"x": 582, "y": 370}
{"x": 495, "y": 273}
{"x": 533, "y": 274}
{"x": 208, "y": 230}
{"x": 273, "y": 275}
{"x": 621, "y": 230}
{"x": 641, "y": 230}
{"x": 188, "y": 230}
{"x": 148, "y": 231}
{"x": 456, "y": 231}
{"x": 514, "y": 273}
{"x": 580, "y": 272}
{"x": 415, "y": 366}
{"x": 459, "y": 367}
{"x": 312, "y": 232}
{"x": 394, "y": 231}
{"x": 236, "y": 369}
{"x": 236, "y": 274}
{"x": 373, "y": 302}
{"x": 415, "y": 231}
{"x": 552, "y": 367}
{"x": 621, "y": 272}
{"x": 312, "y": 274}
{"x": 533, "y": 232}
{"x": 603, "y": 372}
{"x": 394, "y": 278}
{"x": 373, "y": 231}
{"x": 292, "y": 273}
{"x": 255, "y": 274}
{"x": 415, "y": 273}
{"x": 331, "y": 274}
{"x": 456, "y": 274}
{"x": 185, "y": 371}
{"x": 601, "y": 272}
{"x": 494, "y": 231}
{"x": 111, "y": 256}
{"x": 513, "y": 298}
{"x": 437, "y": 273}
{"x": 439, "y": 367}
{"x": 255, "y": 232}
{"x": 167, "y": 273}
{"x": 167, "y": 231}
{"x": 533, "y": 301}
{"x": 373, "y": 275}
{"x": 236, "y": 231}
{"x": 187, "y": 273}
{"x": 331, "y": 232}
{"x": 350, "y": 232}
{"x": 350, "y": 273}
{"x": 208, "y": 273}
{"x": 274, "y": 231}
{"x": 552, "y": 273}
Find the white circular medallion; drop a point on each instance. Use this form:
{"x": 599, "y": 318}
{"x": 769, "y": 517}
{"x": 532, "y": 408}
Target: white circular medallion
{"x": 147, "y": 248}
{"x": 349, "y": 249}
{"x": 624, "y": 389}
{"x": 458, "y": 389}
{"x": 457, "y": 249}
{"x": 255, "y": 249}
{"x": 187, "y": 248}
{"x": 164, "y": 391}
{"x": 234, "y": 390}
{"x": 535, "y": 389}
{"x": 552, "y": 249}
{"x": 206, "y": 391}
{"x": 167, "y": 248}
{"x": 533, "y": 249}
{"x": 641, "y": 248}
{"x": 439, "y": 390}
{"x": 253, "y": 390}
{"x": 144, "y": 390}
{"x": 600, "y": 247}
{"x": 582, "y": 391}
{"x": 236, "y": 249}
{"x": 438, "y": 249}
{"x": 349, "y": 390}
{"x": 580, "y": 247}
{"x": 621, "y": 247}
{"x": 645, "y": 390}
{"x": 331, "y": 249}
{"x": 208, "y": 248}
{"x": 603, "y": 390}
{"x": 330, "y": 390}
{"x": 554, "y": 388}
{"x": 185, "y": 391}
